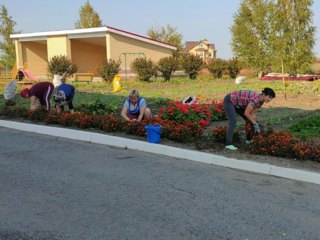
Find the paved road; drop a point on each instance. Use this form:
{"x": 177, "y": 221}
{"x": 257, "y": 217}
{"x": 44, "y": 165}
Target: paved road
{"x": 54, "y": 188}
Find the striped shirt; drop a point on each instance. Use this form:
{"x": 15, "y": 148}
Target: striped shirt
{"x": 242, "y": 98}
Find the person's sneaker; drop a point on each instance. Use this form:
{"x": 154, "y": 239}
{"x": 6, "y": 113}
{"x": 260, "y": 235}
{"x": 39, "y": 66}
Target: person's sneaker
{"x": 249, "y": 141}
{"x": 231, "y": 147}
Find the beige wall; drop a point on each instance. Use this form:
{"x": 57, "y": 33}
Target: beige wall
{"x": 88, "y": 57}
{"x": 120, "y": 44}
{"x": 58, "y": 45}
{"x": 35, "y": 57}
{"x": 87, "y": 53}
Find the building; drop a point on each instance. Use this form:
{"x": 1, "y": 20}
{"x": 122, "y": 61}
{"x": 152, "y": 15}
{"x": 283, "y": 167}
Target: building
{"x": 201, "y": 48}
{"x": 87, "y": 48}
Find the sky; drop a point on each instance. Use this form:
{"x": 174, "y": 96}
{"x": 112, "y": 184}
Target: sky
{"x": 194, "y": 20}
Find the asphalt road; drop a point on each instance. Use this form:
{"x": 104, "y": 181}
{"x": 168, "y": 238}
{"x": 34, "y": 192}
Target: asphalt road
{"x": 54, "y": 188}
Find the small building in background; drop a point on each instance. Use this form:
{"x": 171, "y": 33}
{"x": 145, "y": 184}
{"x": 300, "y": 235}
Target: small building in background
{"x": 202, "y": 48}
{"x": 87, "y": 48}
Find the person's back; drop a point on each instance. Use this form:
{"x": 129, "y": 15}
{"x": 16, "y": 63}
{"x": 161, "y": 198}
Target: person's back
{"x": 10, "y": 90}
{"x": 68, "y": 90}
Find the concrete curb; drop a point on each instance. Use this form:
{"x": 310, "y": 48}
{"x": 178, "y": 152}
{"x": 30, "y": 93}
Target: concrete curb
{"x": 295, "y": 174}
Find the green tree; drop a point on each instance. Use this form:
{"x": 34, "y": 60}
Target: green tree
{"x": 88, "y": 17}
{"x": 168, "y": 35}
{"x": 192, "y": 64}
{"x": 250, "y": 33}
{"x": 292, "y": 36}
{"x": 216, "y": 67}
{"x": 167, "y": 66}
{"x": 274, "y": 33}
{"x": 7, "y": 47}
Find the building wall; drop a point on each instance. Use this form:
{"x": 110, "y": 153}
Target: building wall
{"x": 88, "y": 57}
{"x": 122, "y": 44}
{"x": 58, "y": 45}
{"x": 34, "y": 55}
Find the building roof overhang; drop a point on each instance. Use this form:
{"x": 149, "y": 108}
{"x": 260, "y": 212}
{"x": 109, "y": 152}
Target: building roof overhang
{"x": 86, "y": 33}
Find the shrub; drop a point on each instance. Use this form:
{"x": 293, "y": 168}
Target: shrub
{"x": 145, "y": 69}
{"x": 216, "y": 67}
{"x": 61, "y": 65}
{"x": 219, "y": 134}
{"x": 98, "y": 107}
{"x": 167, "y": 66}
{"x": 38, "y": 114}
{"x": 202, "y": 113}
{"x": 233, "y": 67}
{"x": 308, "y": 127}
{"x": 192, "y": 65}
{"x": 109, "y": 69}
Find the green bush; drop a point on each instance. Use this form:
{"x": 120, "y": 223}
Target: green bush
{"x": 109, "y": 69}
{"x": 167, "y": 66}
{"x": 97, "y": 107}
{"x": 62, "y": 65}
{"x": 233, "y": 67}
{"x": 216, "y": 67}
{"x": 145, "y": 69}
{"x": 192, "y": 65}
{"x": 306, "y": 128}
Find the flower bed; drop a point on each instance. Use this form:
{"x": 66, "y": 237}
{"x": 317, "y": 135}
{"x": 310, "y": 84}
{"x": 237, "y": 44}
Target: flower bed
{"x": 280, "y": 144}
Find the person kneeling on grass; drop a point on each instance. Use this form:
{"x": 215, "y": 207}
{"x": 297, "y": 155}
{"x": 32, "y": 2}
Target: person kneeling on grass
{"x": 135, "y": 107}
{"x": 245, "y": 103}
{"x": 63, "y": 95}
{"x": 41, "y": 91}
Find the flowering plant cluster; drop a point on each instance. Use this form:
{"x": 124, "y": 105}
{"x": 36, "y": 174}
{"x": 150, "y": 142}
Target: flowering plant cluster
{"x": 195, "y": 112}
{"x": 181, "y": 132}
{"x": 219, "y": 134}
{"x": 283, "y": 144}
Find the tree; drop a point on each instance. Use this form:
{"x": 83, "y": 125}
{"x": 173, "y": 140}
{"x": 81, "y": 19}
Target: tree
{"x": 292, "y": 36}
{"x": 192, "y": 64}
{"x": 276, "y": 33}
{"x": 88, "y": 17}
{"x": 250, "y": 33}
{"x": 167, "y": 66}
{"x": 7, "y": 47}
{"x": 168, "y": 35}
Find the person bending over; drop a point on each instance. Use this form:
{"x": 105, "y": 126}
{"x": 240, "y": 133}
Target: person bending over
{"x": 245, "y": 103}
{"x": 41, "y": 91}
{"x": 62, "y": 96}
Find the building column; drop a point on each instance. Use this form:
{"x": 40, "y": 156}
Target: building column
{"x": 19, "y": 57}
{"x": 108, "y": 47}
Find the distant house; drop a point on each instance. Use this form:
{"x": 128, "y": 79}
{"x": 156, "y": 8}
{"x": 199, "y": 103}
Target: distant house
{"x": 87, "y": 48}
{"x": 201, "y": 48}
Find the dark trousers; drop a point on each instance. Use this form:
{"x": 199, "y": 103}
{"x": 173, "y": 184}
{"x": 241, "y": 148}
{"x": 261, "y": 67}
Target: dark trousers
{"x": 231, "y": 112}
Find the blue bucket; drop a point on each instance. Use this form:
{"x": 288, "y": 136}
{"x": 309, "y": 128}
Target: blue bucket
{"x": 153, "y": 133}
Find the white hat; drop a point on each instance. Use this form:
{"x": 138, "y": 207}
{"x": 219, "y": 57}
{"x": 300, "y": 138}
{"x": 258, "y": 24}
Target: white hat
{"x": 59, "y": 95}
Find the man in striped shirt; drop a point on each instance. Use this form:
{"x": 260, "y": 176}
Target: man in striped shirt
{"x": 245, "y": 103}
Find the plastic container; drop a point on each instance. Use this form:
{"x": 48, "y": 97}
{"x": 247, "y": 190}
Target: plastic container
{"x": 153, "y": 133}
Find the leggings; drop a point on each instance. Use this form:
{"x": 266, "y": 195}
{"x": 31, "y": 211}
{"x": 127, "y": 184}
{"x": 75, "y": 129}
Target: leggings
{"x": 231, "y": 112}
